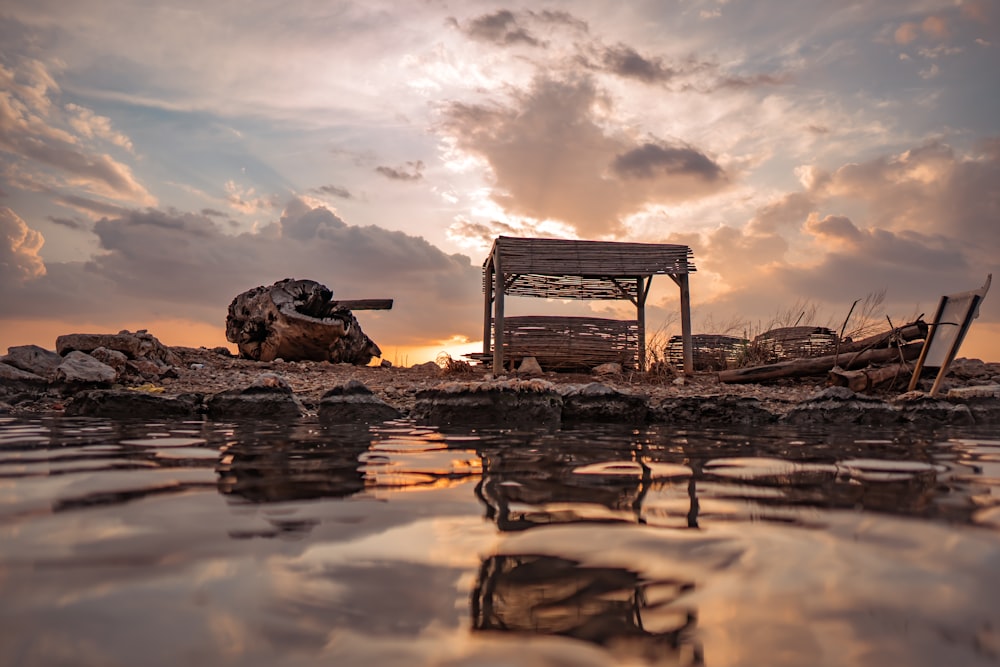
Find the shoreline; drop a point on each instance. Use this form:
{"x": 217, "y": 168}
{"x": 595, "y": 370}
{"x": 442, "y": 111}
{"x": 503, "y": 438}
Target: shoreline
{"x": 472, "y": 395}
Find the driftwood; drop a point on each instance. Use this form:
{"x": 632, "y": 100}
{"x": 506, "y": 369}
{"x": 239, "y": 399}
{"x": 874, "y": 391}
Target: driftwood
{"x": 820, "y": 365}
{"x": 877, "y": 349}
{"x": 868, "y": 378}
{"x": 298, "y": 320}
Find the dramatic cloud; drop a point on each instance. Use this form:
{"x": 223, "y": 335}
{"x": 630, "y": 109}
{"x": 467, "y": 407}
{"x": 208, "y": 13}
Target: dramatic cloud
{"x": 552, "y": 158}
{"x": 30, "y": 132}
{"x": 156, "y": 264}
{"x": 19, "y": 258}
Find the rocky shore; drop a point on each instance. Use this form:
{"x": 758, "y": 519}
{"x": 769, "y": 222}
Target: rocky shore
{"x": 132, "y": 375}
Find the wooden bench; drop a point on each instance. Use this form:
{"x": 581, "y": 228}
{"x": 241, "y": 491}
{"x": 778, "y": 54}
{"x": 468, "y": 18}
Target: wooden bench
{"x": 568, "y": 343}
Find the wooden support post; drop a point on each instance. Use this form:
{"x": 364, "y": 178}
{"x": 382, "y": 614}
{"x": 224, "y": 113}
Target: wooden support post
{"x": 686, "y": 322}
{"x": 487, "y": 305}
{"x": 640, "y": 292}
{"x": 498, "y": 290}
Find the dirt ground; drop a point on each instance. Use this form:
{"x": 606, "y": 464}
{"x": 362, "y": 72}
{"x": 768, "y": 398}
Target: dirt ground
{"x": 204, "y": 371}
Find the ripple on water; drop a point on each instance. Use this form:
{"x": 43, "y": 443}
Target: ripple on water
{"x": 883, "y": 470}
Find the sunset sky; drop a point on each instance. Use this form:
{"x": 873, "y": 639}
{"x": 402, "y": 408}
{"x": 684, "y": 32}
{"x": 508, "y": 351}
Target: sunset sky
{"x": 158, "y": 158}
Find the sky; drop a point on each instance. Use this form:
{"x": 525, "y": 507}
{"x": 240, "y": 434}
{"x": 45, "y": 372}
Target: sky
{"x": 159, "y": 158}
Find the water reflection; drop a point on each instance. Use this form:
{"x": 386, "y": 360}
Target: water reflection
{"x": 612, "y": 607}
{"x": 280, "y": 467}
{"x": 403, "y": 544}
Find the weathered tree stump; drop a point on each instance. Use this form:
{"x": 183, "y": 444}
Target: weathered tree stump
{"x": 297, "y": 320}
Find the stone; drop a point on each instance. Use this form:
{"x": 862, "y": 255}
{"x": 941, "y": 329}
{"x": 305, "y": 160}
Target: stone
{"x": 14, "y": 380}
{"x": 32, "y": 358}
{"x": 426, "y": 366}
{"x": 269, "y": 396}
{"x": 708, "y": 410}
{"x": 991, "y": 390}
{"x": 138, "y": 345}
{"x": 354, "y": 403}
{"x": 118, "y": 404}
{"x": 596, "y": 402}
{"x": 967, "y": 369}
{"x": 113, "y": 358}
{"x": 610, "y": 369}
{"x": 498, "y": 403}
{"x": 923, "y": 410}
{"x": 530, "y": 366}
{"x": 146, "y": 369}
{"x": 81, "y": 368}
{"x": 840, "y": 405}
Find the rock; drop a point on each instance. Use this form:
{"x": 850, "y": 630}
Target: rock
{"x": 14, "y": 380}
{"x": 991, "y": 390}
{"x": 709, "y": 410}
{"x": 596, "y": 402}
{"x": 354, "y": 403}
{"x": 33, "y": 359}
{"x": 113, "y": 358}
{"x": 268, "y": 397}
{"x": 427, "y": 366}
{"x": 500, "y": 403}
{"x": 840, "y": 405}
{"x": 146, "y": 369}
{"x": 967, "y": 369}
{"x": 223, "y": 351}
{"x": 921, "y": 409}
{"x": 982, "y": 401}
{"x": 81, "y": 368}
{"x": 138, "y": 345}
{"x": 530, "y": 366}
{"x": 117, "y": 404}
{"x": 610, "y": 369}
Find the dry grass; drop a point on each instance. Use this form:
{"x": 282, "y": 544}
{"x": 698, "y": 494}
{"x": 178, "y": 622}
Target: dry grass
{"x": 451, "y": 366}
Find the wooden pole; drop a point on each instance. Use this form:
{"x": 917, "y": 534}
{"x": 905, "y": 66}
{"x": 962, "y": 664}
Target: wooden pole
{"x": 498, "y": 290}
{"x": 487, "y": 304}
{"x": 686, "y": 322}
{"x": 640, "y": 304}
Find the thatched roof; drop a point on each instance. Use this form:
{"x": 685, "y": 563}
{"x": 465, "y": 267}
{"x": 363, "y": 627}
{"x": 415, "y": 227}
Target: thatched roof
{"x": 568, "y": 269}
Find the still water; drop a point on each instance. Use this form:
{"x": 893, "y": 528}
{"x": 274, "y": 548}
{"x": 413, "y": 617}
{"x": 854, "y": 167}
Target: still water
{"x": 191, "y": 543}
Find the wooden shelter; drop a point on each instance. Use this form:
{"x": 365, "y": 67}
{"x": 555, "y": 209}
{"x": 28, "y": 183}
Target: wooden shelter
{"x": 568, "y": 269}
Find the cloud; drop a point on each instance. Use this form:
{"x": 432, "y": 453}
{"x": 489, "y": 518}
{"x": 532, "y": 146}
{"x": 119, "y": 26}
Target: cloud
{"x": 651, "y": 161}
{"x": 411, "y": 171}
{"x": 334, "y": 190}
{"x": 19, "y": 259}
{"x": 167, "y": 264}
{"x": 30, "y": 132}
{"x": 922, "y": 223}
{"x": 246, "y": 200}
{"x": 552, "y": 158}
{"x": 501, "y": 27}
{"x": 626, "y": 62}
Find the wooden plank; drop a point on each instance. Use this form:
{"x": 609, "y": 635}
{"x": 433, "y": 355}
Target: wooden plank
{"x": 364, "y": 304}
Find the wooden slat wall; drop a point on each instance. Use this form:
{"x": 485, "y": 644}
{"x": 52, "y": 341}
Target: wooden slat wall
{"x": 566, "y": 343}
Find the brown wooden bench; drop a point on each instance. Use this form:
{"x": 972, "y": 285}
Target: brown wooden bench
{"x": 568, "y": 343}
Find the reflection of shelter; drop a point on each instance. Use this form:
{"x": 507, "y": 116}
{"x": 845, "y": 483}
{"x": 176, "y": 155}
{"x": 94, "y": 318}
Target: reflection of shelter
{"x": 569, "y": 269}
{"x": 278, "y": 471}
{"x": 525, "y": 489}
{"x": 605, "y": 605}
{"x": 951, "y": 322}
